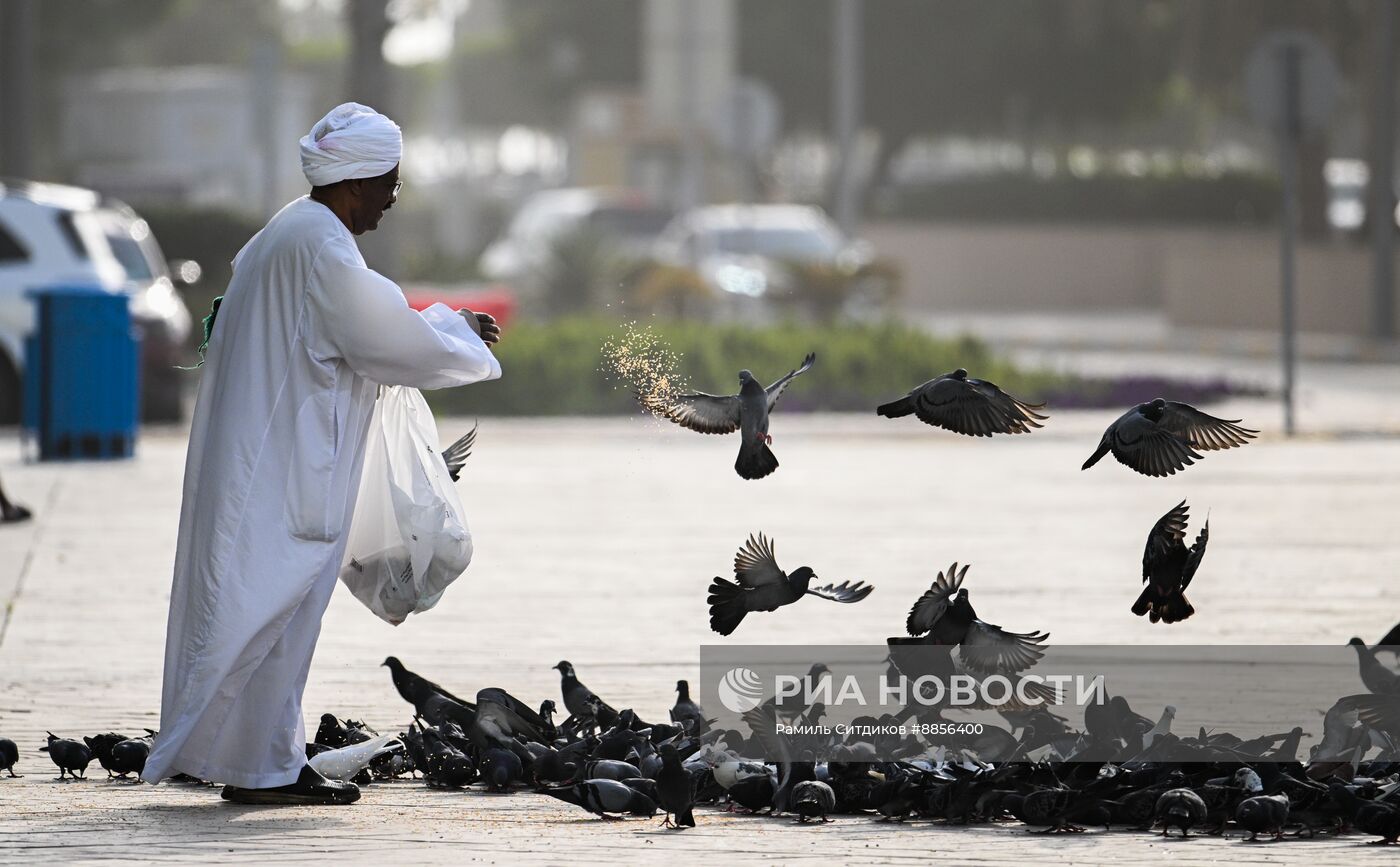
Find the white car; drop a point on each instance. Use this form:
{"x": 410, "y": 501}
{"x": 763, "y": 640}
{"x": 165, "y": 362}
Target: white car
{"x": 627, "y": 220}
{"x": 743, "y": 250}
{"x": 53, "y": 235}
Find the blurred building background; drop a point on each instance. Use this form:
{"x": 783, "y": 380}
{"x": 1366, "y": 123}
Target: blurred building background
{"x": 1033, "y": 157}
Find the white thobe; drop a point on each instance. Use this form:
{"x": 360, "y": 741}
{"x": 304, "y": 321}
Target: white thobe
{"x": 304, "y": 335}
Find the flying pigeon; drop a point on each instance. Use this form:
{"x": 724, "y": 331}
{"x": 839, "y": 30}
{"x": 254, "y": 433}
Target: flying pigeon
{"x": 763, "y": 586}
{"x": 1161, "y": 437}
{"x": 1168, "y": 567}
{"x": 946, "y": 616}
{"x": 973, "y": 407}
{"x": 746, "y": 412}
{"x": 456, "y": 454}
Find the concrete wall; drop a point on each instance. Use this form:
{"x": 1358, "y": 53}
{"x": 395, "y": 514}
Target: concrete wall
{"x": 1225, "y": 278}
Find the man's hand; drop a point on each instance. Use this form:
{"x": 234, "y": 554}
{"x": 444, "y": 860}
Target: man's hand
{"x": 484, "y": 324}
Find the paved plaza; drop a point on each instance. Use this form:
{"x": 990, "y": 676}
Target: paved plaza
{"x": 595, "y": 540}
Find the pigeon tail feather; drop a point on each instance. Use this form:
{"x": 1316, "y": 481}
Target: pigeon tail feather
{"x": 1097, "y": 455}
{"x": 755, "y": 461}
{"x": 896, "y": 408}
{"x": 1177, "y": 607}
{"x": 727, "y": 608}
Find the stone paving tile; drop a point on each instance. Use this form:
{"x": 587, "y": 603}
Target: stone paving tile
{"x": 595, "y": 541}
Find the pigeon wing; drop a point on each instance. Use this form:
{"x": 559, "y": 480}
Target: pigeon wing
{"x": 930, "y": 606}
{"x": 1202, "y": 430}
{"x": 1193, "y": 560}
{"x": 456, "y": 454}
{"x": 1167, "y": 533}
{"x": 846, "y": 591}
{"x": 503, "y": 705}
{"x": 989, "y": 649}
{"x": 972, "y": 407}
{"x": 1152, "y": 450}
{"x": 755, "y": 565}
{"x": 1392, "y": 637}
{"x": 1381, "y": 712}
{"x": 705, "y": 413}
{"x": 776, "y": 390}
{"x": 955, "y": 405}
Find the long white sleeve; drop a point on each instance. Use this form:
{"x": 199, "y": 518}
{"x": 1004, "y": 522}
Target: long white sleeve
{"x": 363, "y": 318}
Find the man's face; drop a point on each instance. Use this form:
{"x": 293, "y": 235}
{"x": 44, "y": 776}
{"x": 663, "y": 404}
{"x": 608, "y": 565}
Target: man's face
{"x": 376, "y": 195}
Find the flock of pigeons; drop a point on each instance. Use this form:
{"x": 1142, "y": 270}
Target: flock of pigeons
{"x": 1158, "y": 438}
{"x": 612, "y": 763}
{"x": 1123, "y": 769}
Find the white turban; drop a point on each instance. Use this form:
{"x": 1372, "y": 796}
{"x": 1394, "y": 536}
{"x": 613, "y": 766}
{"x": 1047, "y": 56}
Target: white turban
{"x": 352, "y": 141}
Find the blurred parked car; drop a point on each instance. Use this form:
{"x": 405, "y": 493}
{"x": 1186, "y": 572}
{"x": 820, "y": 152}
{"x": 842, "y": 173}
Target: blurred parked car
{"x": 53, "y": 235}
{"x": 625, "y": 219}
{"x": 479, "y": 298}
{"x": 747, "y": 251}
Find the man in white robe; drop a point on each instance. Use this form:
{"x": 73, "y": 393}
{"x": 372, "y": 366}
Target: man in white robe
{"x": 303, "y": 337}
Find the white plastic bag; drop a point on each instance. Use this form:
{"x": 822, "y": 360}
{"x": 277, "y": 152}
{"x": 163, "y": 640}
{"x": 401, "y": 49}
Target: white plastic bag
{"x": 408, "y": 538}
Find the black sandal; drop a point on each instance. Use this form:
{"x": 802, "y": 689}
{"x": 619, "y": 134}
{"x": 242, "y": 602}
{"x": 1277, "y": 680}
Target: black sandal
{"x": 310, "y": 789}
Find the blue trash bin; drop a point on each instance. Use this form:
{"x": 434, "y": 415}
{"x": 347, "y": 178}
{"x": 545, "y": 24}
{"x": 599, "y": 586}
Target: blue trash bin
{"x": 82, "y": 389}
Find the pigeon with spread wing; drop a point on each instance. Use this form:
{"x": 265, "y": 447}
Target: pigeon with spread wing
{"x": 746, "y": 412}
{"x": 456, "y": 454}
{"x": 762, "y": 586}
{"x": 944, "y": 615}
{"x": 1168, "y": 567}
{"x": 1163, "y": 437}
{"x": 973, "y": 407}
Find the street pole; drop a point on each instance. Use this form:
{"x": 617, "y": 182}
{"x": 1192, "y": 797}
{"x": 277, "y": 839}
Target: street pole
{"x": 846, "y": 110}
{"x": 18, "y": 32}
{"x": 693, "y": 148}
{"x": 1381, "y": 207}
{"x": 1289, "y": 137}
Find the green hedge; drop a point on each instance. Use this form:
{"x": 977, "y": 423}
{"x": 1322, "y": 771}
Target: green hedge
{"x": 558, "y": 368}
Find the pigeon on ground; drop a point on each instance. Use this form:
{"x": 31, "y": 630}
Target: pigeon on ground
{"x": 1368, "y": 817}
{"x": 1162, "y": 437}
{"x": 129, "y": 756}
{"x": 688, "y": 712}
{"x": 70, "y": 756}
{"x": 499, "y": 768}
{"x": 763, "y": 586}
{"x": 579, "y": 700}
{"x": 444, "y": 765}
{"x": 1377, "y": 678}
{"x": 9, "y": 756}
{"x": 813, "y": 799}
{"x": 604, "y": 798}
{"x": 973, "y": 407}
{"x": 346, "y": 762}
{"x": 1391, "y": 641}
{"x": 746, "y": 412}
{"x": 945, "y": 615}
{"x": 1179, "y": 808}
{"x": 1263, "y": 814}
{"x": 1168, "y": 567}
{"x": 417, "y": 690}
{"x": 101, "y": 746}
{"x": 456, "y": 454}
{"x": 674, "y": 793}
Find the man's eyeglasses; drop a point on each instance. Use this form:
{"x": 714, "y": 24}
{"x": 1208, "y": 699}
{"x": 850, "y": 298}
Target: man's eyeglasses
{"x": 394, "y": 193}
